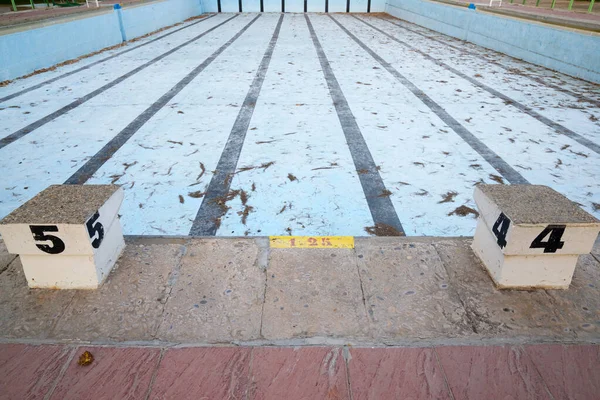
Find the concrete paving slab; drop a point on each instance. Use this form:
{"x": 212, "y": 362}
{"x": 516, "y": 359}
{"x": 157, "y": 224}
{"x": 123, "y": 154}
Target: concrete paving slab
{"x": 390, "y": 291}
{"x": 183, "y": 373}
{"x": 478, "y": 372}
{"x": 580, "y": 304}
{"x": 501, "y": 314}
{"x": 570, "y": 372}
{"x": 29, "y": 372}
{"x": 407, "y": 292}
{"x": 313, "y": 292}
{"x": 28, "y": 313}
{"x": 218, "y": 295}
{"x": 130, "y": 303}
{"x": 398, "y": 373}
{"x": 115, "y": 373}
{"x": 306, "y": 373}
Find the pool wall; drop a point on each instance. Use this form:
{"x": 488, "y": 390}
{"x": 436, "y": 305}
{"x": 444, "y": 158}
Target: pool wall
{"x": 144, "y": 18}
{"x": 24, "y": 50}
{"x": 52, "y": 42}
{"x": 293, "y": 5}
{"x": 569, "y": 51}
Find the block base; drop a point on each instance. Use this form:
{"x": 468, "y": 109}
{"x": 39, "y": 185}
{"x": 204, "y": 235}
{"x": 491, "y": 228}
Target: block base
{"x": 75, "y": 272}
{"x": 522, "y": 271}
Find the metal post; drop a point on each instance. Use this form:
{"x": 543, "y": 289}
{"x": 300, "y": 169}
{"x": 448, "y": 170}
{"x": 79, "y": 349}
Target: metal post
{"x": 537, "y": 3}
{"x": 553, "y": 3}
{"x": 14, "y": 5}
{"x": 570, "y": 5}
{"x": 524, "y": 2}
{"x": 32, "y": 5}
{"x": 591, "y": 6}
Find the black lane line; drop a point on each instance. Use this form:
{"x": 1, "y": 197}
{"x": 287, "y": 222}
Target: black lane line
{"x": 380, "y": 205}
{"x": 492, "y": 158}
{"x": 205, "y": 223}
{"x": 93, "y": 164}
{"x": 496, "y": 63}
{"x": 42, "y": 121}
{"x": 522, "y": 107}
{"x": 39, "y": 85}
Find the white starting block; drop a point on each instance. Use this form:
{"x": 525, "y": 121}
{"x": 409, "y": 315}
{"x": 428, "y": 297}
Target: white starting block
{"x": 68, "y": 236}
{"x": 531, "y": 236}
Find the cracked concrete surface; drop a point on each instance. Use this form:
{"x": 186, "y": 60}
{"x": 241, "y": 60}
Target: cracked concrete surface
{"x": 5, "y": 257}
{"x": 385, "y": 292}
{"x": 306, "y": 297}
{"x": 130, "y": 305}
{"x": 407, "y": 291}
{"x": 218, "y": 296}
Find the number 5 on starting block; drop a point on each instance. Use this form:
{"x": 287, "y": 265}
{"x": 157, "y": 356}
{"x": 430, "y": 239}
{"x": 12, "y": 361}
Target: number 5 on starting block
{"x": 68, "y": 236}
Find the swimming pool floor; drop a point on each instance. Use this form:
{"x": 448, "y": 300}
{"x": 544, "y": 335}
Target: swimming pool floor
{"x": 303, "y": 124}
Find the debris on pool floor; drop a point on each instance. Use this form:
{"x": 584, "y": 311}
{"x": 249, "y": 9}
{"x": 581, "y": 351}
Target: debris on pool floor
{"x": 271, "y": 124}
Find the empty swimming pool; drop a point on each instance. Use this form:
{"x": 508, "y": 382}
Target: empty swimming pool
{"x": 303, "y": 124}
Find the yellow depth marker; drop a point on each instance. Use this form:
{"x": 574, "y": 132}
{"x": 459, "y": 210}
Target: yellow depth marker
{"x": 312, "y": 242}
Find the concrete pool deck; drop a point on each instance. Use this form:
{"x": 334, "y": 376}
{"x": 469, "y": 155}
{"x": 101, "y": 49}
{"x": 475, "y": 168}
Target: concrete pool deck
{"x": 385, "y": 291}
{"x": 43, "y": 14}
{"x": 223, "y": 317}
{"x": 308, "y": 125}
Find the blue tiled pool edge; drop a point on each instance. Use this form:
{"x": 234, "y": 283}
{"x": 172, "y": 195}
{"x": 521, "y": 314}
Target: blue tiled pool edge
{"x": 32, "y": 49}
{"x": 575, "y": 53}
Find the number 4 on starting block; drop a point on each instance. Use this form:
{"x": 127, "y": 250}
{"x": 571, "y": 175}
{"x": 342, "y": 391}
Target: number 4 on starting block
{"x": 68, "y": 236}
{"x": 531, "y": 236}
{"x": 554, "y": 234}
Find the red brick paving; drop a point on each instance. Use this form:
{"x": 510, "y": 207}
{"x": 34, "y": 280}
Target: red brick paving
{"x": 29, "y": 372}
{"x": 115, "y": 373}
{"x": 571, "y": 372}
{"x": 565, "y": 14}
{"x": 476, "y": 372}
{"x": 302, "y": 373}
{"x": 203, "y": 372}
{"x": 464, "y": 372}
{"x": 401, "y": 373}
